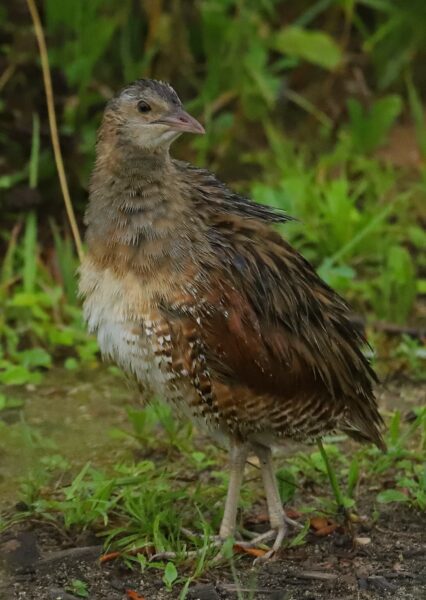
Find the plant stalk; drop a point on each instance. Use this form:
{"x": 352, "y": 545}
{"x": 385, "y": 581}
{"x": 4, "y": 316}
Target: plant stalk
{"x": 44, "y": 59}
{"x": 332, "y": 477}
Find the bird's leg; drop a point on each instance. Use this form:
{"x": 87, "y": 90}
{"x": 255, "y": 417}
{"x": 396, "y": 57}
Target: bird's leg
{"x": 275, "y": 508}
{"x": 238, "y": 456}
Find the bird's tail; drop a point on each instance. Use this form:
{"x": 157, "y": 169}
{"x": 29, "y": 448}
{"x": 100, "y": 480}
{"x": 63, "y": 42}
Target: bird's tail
{"x": 365, "y": 424}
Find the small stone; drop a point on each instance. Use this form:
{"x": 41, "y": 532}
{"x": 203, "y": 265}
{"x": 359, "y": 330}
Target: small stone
{"x": 78, "y": 554}
{"x": 362, "y": 541}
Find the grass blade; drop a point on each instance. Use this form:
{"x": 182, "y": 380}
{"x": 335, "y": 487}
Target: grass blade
{"x": 35, "y": 152}
{"x": 30, "y": 254}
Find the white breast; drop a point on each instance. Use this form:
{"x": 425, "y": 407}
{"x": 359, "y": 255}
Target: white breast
{"x": 110, "y": 308}
{"x": 114, "y": 310}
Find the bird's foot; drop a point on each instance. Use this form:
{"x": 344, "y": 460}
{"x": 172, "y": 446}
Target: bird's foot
{"x": 292, "y": 522}
{"x": 287, "y": 521}
{"x": 277, "y": 535}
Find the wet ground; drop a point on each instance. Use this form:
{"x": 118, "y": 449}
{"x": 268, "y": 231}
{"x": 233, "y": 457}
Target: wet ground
{"x": 37, "y": 562}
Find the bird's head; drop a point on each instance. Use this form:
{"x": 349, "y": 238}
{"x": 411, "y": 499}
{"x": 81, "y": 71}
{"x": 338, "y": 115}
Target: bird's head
{"x": 149, "y": 115}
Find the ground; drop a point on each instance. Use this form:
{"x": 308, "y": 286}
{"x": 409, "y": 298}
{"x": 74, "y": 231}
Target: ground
{"x": 39, "y": 561}
{"x": 393, "y": 565}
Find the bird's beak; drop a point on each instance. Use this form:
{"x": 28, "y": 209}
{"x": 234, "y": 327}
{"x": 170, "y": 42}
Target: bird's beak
{"x": 180, "y": 120}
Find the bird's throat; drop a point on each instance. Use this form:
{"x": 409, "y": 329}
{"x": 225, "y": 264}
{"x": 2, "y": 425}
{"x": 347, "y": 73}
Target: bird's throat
{"x": 137, "y": 215}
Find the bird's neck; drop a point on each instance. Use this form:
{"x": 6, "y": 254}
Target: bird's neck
{"x": 136, "y": 210}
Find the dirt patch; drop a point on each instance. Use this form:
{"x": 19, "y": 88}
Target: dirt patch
{"x": 39, "y": 565}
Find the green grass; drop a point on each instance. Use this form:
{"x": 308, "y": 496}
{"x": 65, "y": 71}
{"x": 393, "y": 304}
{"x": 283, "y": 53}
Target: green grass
{"x": 40, "y": 319}
{"x": 78, "y": 588}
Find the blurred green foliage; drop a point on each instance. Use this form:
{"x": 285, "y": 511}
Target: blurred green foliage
{"x": 307, "y": 106}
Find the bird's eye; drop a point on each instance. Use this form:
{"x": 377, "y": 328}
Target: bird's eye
{"x": 143, "y": 107}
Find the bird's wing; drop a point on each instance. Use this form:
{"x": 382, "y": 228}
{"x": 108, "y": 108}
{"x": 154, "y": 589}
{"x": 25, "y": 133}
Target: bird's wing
{"x": 267, "y": 322}
{"x": 213, "y": 195}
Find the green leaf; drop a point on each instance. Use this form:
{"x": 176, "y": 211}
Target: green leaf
{"x": 170, "y": 575}
{"x": 10, "y": 402}
{"x": 353, "y": 476}
{"x": 369, "y": 128}
{"x": 399, "y": 284}
{"x": 421, "y": 499}
{"x": 299, "y": 539}
{"x": 391, "y": 496}
{"x": 8, "y": 181}
{"x": 78, "y": 588}
{"x": 316, "y": 47}
{"x": 394, "y": 427}
{"x": 228, "y": 548}
{"x": 66, "y": 258}
{"x": 62, "y": 337}
{"x": 71, "y": 363}
{"x": 199, "y": 457}
{"x": 408, "y": 482}
{"x": 35, "y": 357}
{"x": 417, "y": 112}
{"x": 88, "y": 350}
{"x": 18, "y": 375}
{"x": 28, "y": 300}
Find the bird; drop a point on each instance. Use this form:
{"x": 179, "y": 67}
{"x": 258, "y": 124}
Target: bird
{"x": 194, "y": 293}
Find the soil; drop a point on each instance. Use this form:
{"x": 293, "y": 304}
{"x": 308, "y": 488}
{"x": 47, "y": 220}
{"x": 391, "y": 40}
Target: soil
{"x": 38, "y": 565}
{"x": 39, "y": 562}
